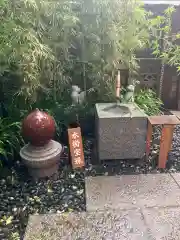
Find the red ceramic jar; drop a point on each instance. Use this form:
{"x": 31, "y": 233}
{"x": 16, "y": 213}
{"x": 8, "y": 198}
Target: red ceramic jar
{"x": 38, "y": 128}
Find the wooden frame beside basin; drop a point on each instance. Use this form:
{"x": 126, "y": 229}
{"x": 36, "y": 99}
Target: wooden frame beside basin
{"x": 168, "y": 123}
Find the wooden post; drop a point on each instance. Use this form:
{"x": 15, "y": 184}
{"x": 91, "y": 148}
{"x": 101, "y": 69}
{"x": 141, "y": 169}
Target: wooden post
{"x": 149, "y": 138}
{"x": 168, "y": 122}
{"x": 76, "y": 147}
{"x": 165, "y": 144}
{"x": 171, "y": 137}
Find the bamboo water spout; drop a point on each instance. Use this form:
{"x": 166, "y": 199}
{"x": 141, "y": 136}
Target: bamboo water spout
{"x": 118, "y": 108}
{"x": 118, "y": 86}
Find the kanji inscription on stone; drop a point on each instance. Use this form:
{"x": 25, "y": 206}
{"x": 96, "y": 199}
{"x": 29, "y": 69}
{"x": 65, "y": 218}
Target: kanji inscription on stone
{"x": 76, "y": 147}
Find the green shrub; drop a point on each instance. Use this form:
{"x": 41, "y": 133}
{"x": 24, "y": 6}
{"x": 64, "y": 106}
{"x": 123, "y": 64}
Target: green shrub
{"x": 148, "y": 101}
{"x": 10, "y": 139}
{"x": 15, "y": 236}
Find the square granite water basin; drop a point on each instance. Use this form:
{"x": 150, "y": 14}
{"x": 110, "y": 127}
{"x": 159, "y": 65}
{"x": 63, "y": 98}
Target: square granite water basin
{"x": 120, "y": 131}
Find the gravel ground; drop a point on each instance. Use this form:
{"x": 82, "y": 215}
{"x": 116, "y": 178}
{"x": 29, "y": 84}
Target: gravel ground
{"x": 142, "y": 166}
{"x": 20, "y": 196}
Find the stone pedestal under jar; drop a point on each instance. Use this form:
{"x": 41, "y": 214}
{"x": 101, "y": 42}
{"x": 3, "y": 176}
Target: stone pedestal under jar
{"x": 120, "y": 131}
{"x": 42, "y": 154}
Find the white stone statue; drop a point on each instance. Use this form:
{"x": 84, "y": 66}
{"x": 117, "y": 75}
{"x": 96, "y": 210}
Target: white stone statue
{"x": 77, "y": 96}
{"x": 129, "y": 95}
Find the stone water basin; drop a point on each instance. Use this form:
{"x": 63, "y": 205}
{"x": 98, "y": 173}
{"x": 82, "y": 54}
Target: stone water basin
{"x": 120, "y": 131}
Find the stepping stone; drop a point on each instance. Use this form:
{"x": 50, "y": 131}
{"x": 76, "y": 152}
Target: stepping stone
{"x": 106, "y": 225}
{"x": 129, "y": 191}
{"x": 176, "y": 177}
{"x": 164, "y": 222}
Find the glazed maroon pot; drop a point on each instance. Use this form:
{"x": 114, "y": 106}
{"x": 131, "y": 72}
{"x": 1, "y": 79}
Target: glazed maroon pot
{"x": 38, "y": 128}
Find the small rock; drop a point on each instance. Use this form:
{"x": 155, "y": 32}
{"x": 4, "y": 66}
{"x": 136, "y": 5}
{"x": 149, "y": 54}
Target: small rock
{"x": 2, "y": 235}
{"x": 80, "y": 192}
{"x": 14, "y": 209}
{"x": 65, "y": 205}
{"x": 172, "y": 170}
{"x": 3, "y": 181}
{"x": 72, "y": 176}
{"x": 11, "y": 198}
{"x": 154, "y": 152}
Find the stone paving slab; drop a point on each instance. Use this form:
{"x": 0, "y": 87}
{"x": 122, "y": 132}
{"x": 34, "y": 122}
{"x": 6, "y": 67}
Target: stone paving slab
{"x": 102, "y": 225}
{"x": 163, "y": 222}
{"x": 130, "y": 191}
{"x": 176, "y": 177}
{"x": 136, "y": 224}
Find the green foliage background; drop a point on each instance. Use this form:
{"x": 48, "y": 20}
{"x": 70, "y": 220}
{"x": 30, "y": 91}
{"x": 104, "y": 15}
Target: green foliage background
{"x": 48, "y": 44}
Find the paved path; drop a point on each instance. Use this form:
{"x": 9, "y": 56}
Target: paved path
{"x": 124, "y": 207}
{"x": 129, "y": 191}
